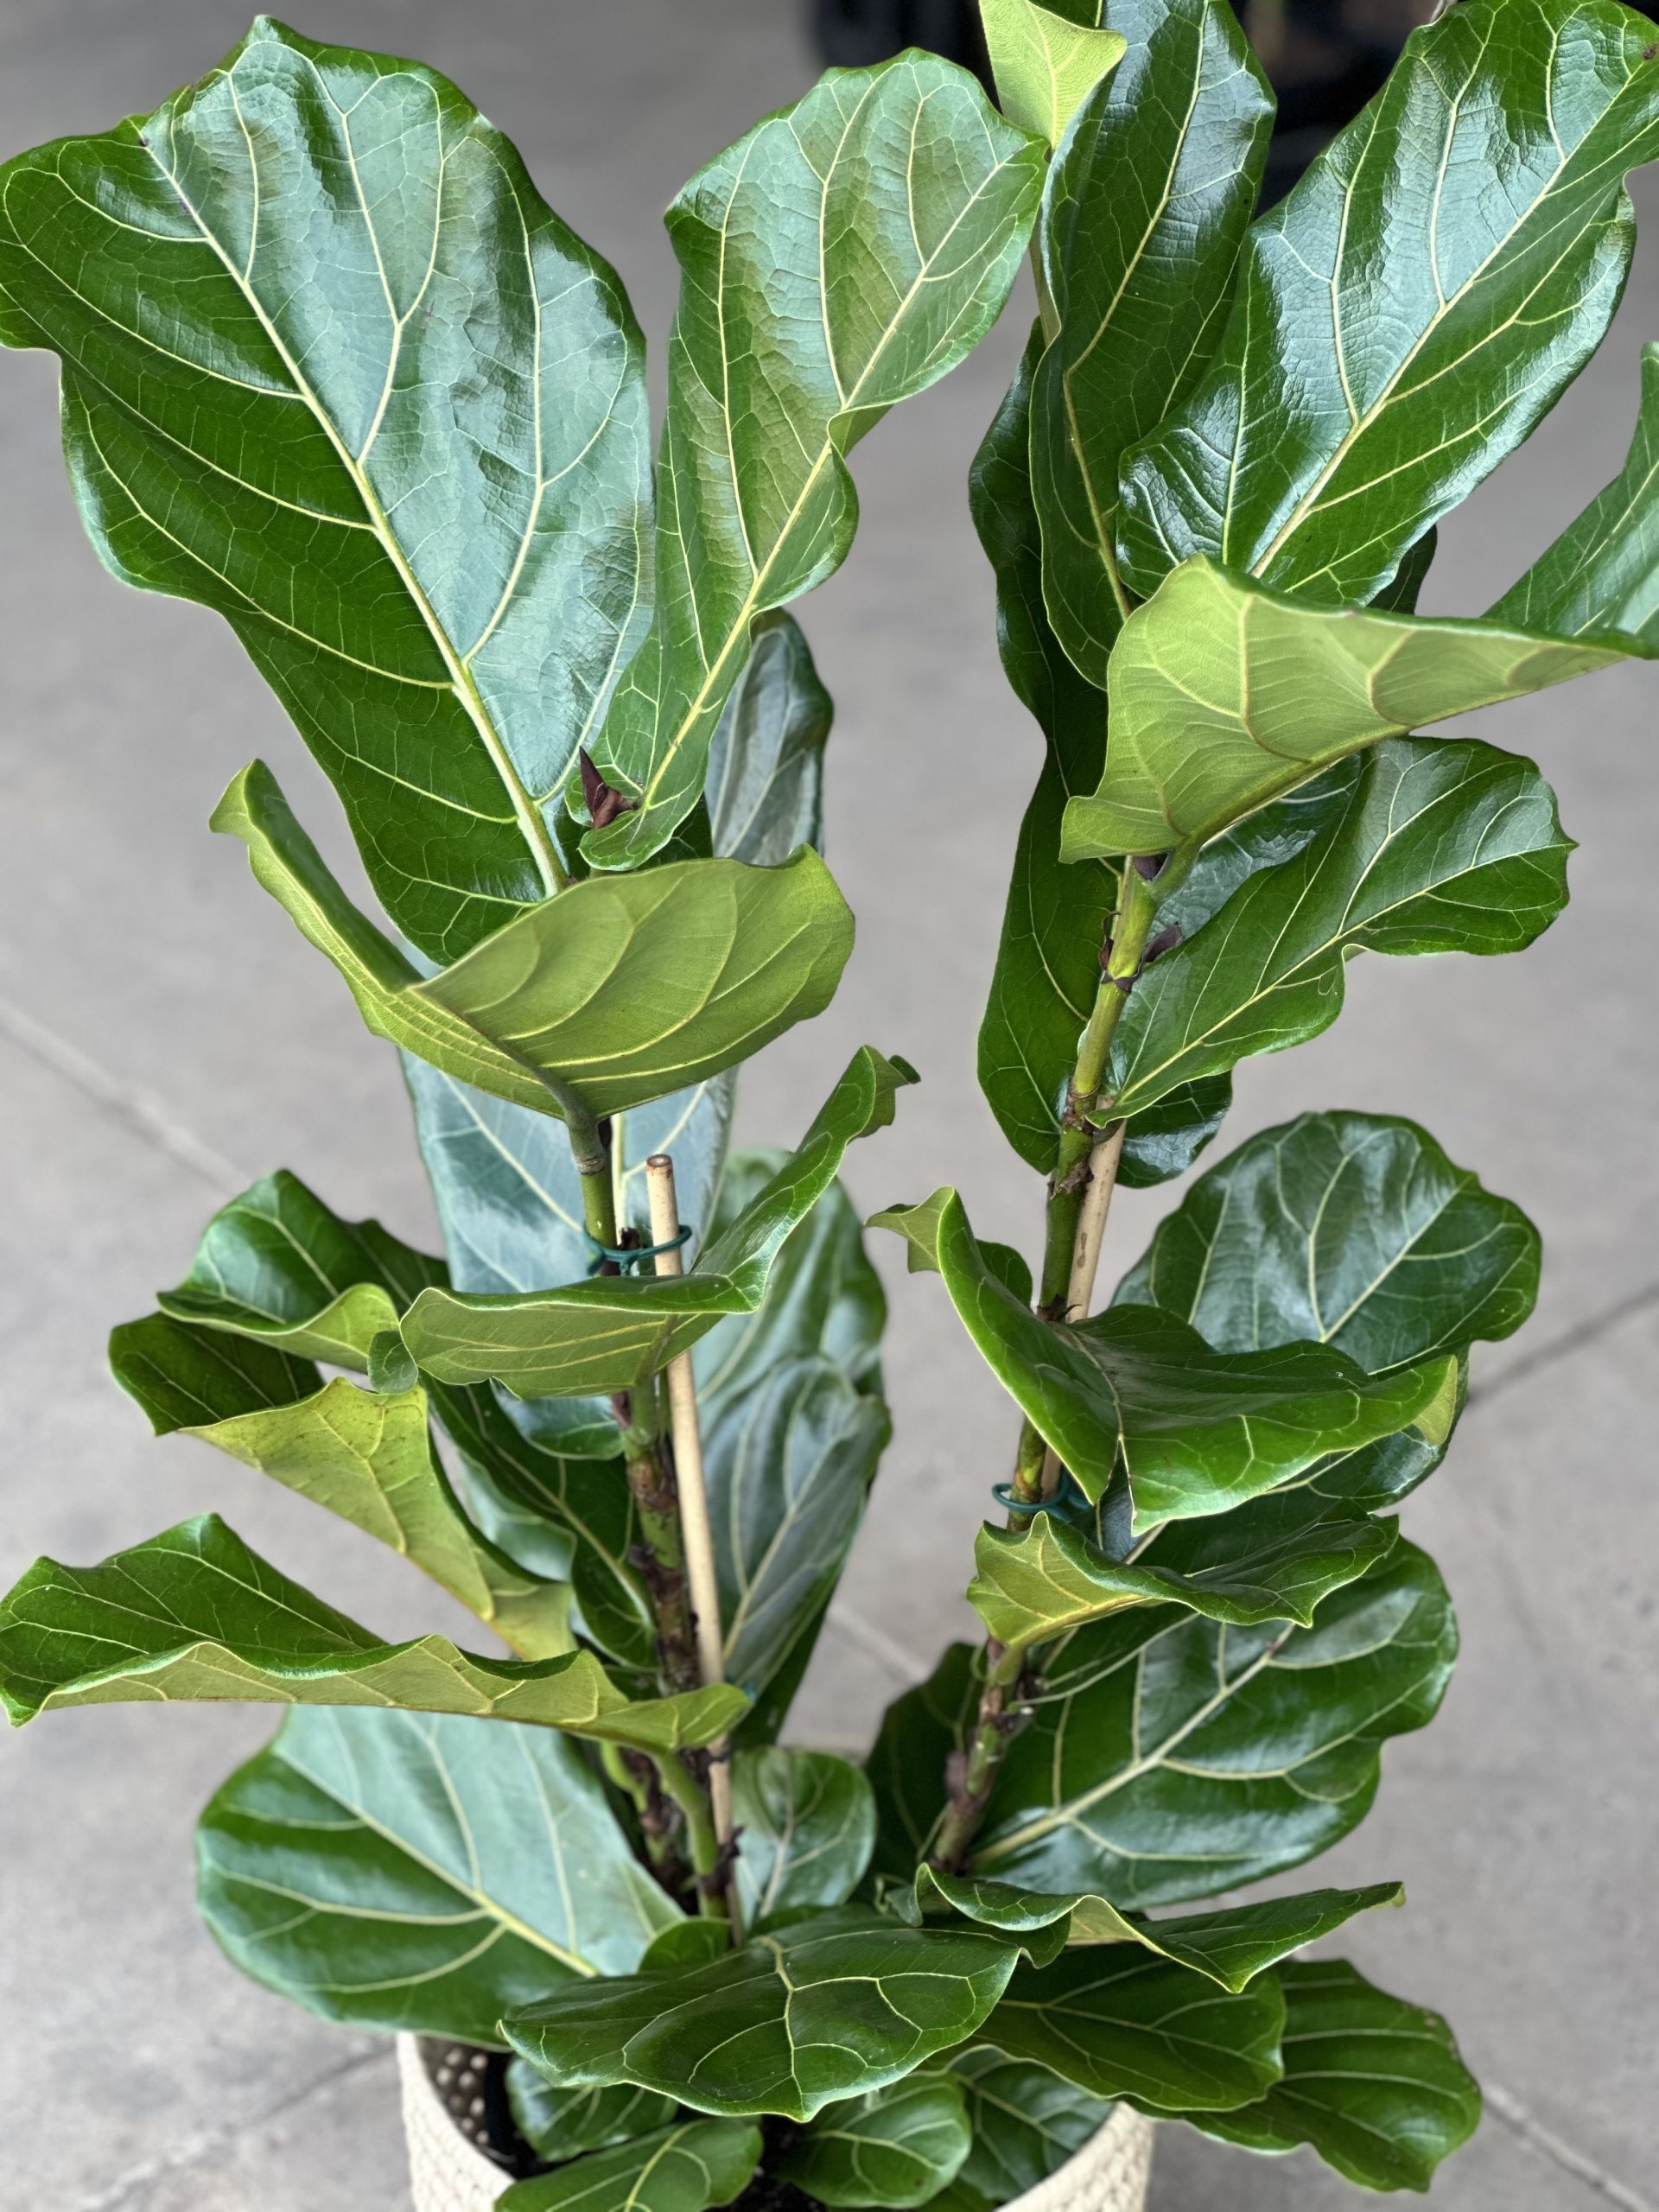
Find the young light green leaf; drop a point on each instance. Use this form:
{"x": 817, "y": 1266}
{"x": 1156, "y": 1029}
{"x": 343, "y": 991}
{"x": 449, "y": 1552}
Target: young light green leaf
{"x": 1144, "y": 215}
{"x": 839, "y": 258}
{"x": 1121, "y": 2024}
{"x": 278, "y": 1266}
{"x": 702, "y": 962}
{"x": 1225, "y": 695}
{"x": 1169, "y": 1758}
{"x": 898, "y": 2146}
{"x": 365, "y": 1455}
{"x": 194, "y": 1614}
{"x": 1373, "y": 2084}
{"x": 1229, "y": 1946}
{"x": 1044, "y": 66}
{"x": 560, "y": 2124}
{"x": 302, "y": 438}
{"x": 609, "y": 1333}
{"x": 1048, "y": 958}
{"x": 1026, "y": 2123}
{"x": 828, "y": 2008}
{"x": 1196, "y": 1431}
{"x": 808, "y": 1822}
{"x": 1439, "y": 845}
{"x": 686, "y": 2168}
{"x": 1029, "y": 1588}
{"x": 366, "y": 1866}
{"x": 1602, "y": 573}
{"x": 1399, "y": 327}
{"x": 1352, "y": 1229}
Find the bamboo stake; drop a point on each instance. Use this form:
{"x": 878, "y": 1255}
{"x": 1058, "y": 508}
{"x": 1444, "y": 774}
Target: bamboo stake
{"x": 1085, "y": 1256}
{"x": 696, "y": 1532}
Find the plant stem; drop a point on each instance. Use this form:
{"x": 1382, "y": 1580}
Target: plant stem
{"x": 707, "y": 1857}
{"x": 659, "y": 1554}
{"x": 1080, "y": 1196}
{"x": 1083, "y": 1142}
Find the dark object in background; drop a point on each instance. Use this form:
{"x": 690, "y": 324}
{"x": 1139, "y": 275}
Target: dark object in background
{"x": 1325, "y": 57}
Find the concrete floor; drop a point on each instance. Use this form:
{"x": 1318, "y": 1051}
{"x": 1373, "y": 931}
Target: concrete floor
{"x": 165, "y": 1037}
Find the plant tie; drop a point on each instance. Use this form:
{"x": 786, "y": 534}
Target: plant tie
{"x": 630, "y": 1255}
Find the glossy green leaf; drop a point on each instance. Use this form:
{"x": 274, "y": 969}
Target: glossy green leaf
{"x": 1400, "y": 325}
{"x": 1026, "y": 2122}
{"x": 1029, "y": 1588}
{"x": 839, "y": 258}
{"x": 1602, "y": 573}
{"x": 607, "y": 1334}
{"x": 685, "y": 2168}
{"x": 560, "y": 2124}
{"x": 1197, "y": 1431}
{"x": 895, "y": 2147}
{"x": 331, "y": 367}
{"x": 1229, "y": 1946}
{"x": 1121, "y": 2024}
{"x": 1143, "y": 216}
{"x": 277, "y": 1265}
{"x": 365, "y": 1454}
{"x": 1169, "y": 1758}
{"x": 1045, "y": 65}
{"x": 371, "y": 1866}
{"x": 1225, "y": 695}
{"x": 1374, "y": 2084}
{"x": 809, "y": 1828}
{"x": 182, "y": 1374}
{"x": 1353, "y": 1230}
{"x": 1441, "y": 846}
{"x": 702, "y": 962}
{"x": 765, "y": 792}
{"x": 194, "y": 1614}
{"x": 831, "y": 2007}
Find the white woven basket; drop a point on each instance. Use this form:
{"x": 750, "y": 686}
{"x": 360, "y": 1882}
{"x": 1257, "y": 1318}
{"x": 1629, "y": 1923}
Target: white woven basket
{"x": 447, "y": 2174}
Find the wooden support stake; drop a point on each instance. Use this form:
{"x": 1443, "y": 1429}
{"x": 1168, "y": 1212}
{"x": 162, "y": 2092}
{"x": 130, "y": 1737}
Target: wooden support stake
{"x": 696, "y": 1532}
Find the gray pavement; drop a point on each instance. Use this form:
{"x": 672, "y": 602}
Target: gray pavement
{"x": 165, "y": 1036}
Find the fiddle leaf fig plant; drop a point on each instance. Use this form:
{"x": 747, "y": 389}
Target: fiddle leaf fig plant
{"x": 331, "y": 367}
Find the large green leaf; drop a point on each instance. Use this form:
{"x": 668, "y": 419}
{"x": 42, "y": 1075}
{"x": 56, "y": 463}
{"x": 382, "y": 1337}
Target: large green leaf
{"x": 1169, "y": 1758}
{"x": 808, "y": 1822}
{"x": 1354, "y": 1229}
{"x": 1229, "y": 1946}
{"x": 1121, "y": 2024}
{"x": 1225, "y": 695}
{"x": 1030, "y": 1587}
{"x": 686, "y": 2168}
{"x": 842, "y": 256}
{"x": 899, "y": 2145}
{"x": 1048, "y": 957}
{"x": 278, "y": 1265}
{"x": 561, "y": 2124}
{"x": 557, "y": 1513}
{"x": 1144, "y": 215}
{"x": 832, "y": 2007}
{"x": 701, "y": 963}
{"x": 1400, "y": 326}
{"x": 1044, "y": 65}
{"x": 365, "y": 1455}
{"x": 1196, "y": 1431}
{"x": 194, "y": 1614}
{"x": 1602, "y": 573}
{"x": 1374, "y": 2084}
{"x": 1026, "y": 2123}
{"x": 609, "y": 1333}
{"x": 372, "y": 1866}
{"x": 331, "y": 367}
{"x": 1441, "y": 846}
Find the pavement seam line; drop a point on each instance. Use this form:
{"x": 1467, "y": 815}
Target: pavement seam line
{"x": 1571, "y": 2160}
{"x": 192, "y": 2152}
{"x": 142, "y": 1113}
{"x": 1570, "y": 1341}
{"x": 875, "y": 1643}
